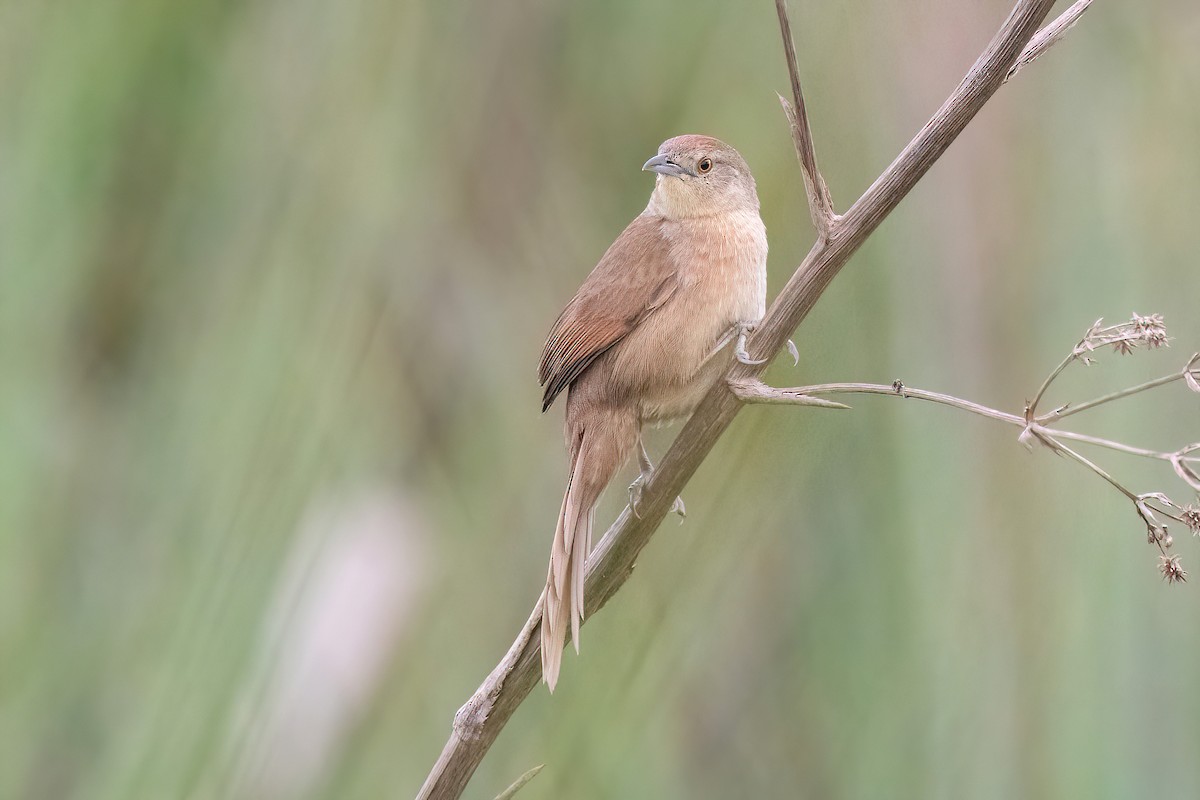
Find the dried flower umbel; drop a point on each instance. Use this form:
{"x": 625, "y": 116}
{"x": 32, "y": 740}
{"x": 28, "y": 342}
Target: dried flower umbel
{"x": 1149, "y": 331}
{"x": 1041, "y": 429}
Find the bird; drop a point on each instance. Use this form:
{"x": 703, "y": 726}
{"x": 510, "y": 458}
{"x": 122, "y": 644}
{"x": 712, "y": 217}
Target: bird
{"x": 653, "y": 327}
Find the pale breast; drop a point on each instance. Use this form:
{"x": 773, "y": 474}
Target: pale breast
{"x": 723, "y": 281}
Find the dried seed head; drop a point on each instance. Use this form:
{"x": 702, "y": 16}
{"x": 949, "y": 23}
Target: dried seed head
{"x": 1157, "y": 535}
{"x": 1150, "y": 329}
{"x": 1148, "y": 324}
{"x": 1191, "y": 518}
{"x": 1172, "y": 571}
{"x": 1124, "y": 337}
{"x": 1156, "y": 532}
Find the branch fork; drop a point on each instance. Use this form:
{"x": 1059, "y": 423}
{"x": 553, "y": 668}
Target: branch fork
{"x": 752, "y": 390}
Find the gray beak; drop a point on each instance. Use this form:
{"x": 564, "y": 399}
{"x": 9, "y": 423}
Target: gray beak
{"x": 663, "y": 165}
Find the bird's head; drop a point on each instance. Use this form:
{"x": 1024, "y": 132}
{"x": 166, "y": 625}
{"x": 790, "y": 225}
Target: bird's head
{"x": 699, "y": 176}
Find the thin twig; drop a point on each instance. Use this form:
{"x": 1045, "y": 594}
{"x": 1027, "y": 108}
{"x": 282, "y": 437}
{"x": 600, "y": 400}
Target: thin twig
{"x": 1048, "y": 36}
{"x": 519, "y": 783}
{"x": 889, "y": 391}
{"x": 1046, "y": 436}
{"x": 1118, "y": 446}
{"x": 1157, "y": 532}
{"x": 756, "y": 392}
{"x": 1031, "y": 408}
{"x": 1180, "y": 462}
{"x": 1066, "y": 411}
{"x": 820, "y": 204}
{"x": 480, "y": 720}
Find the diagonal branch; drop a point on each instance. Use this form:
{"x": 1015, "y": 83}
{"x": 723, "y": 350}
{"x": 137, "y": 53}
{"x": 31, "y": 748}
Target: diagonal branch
{"x": 480, "y": 720}
{"x": 820, "y": 204}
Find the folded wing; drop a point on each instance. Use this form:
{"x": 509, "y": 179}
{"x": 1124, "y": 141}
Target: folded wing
{"x": 635, "y": 277}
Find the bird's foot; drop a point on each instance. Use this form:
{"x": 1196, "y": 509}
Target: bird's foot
{"x": 635, "y": 495}
{"x": 739, "y": 350}
{"x": 635, "y": 498}
{"x": 742, "y": 330}
{"x": 679, "y": 508}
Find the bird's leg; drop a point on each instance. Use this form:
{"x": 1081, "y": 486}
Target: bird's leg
{"x": 646, "y": 469}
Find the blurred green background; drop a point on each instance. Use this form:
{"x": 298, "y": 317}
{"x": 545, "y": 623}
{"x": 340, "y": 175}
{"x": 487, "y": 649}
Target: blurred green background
{"x": 275, "y": 494}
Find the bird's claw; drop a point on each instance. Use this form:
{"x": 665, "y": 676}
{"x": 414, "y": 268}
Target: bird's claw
{"x": 635, "y": 495}
{"x": 635, "y": 499}
{"x": 679, "y": 508}
{"x": 794, "y": 353}
{"x": 739, "y": 350}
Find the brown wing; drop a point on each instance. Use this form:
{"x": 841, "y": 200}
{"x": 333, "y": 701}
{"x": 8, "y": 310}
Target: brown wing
{"x": 635, "y": 276}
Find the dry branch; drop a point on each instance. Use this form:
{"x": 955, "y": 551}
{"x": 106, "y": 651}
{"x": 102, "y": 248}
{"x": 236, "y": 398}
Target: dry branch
{"x": 1048, "y": 36}
{"x": 480, "y": 720}
{"x": 820, "y": 204}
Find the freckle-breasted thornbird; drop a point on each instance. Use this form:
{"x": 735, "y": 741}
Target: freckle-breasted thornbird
{"x": 644, "y": 339}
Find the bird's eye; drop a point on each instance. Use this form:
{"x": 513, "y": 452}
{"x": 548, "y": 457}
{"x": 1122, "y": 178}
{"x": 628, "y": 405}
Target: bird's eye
{"x": 704, "y": 166}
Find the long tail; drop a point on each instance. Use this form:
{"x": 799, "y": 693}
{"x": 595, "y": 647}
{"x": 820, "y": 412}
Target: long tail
{"x": 600, "y": 453}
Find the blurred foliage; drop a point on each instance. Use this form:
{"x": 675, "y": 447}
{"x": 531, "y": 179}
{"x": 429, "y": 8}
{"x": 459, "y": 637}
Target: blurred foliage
{"x": 274, "y": 490}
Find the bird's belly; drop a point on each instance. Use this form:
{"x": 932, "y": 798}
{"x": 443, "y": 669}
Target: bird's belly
{"x": 676, "y": 401}
{"x": 676, "y": 357}
{"x": 670, "y": 361}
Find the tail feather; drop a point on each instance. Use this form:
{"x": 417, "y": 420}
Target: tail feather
{"x": 554, "y": 610}
{"x": 580, "y": 547}
{"x": 564, "y": 580}
{"x": 596, "y": 456}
